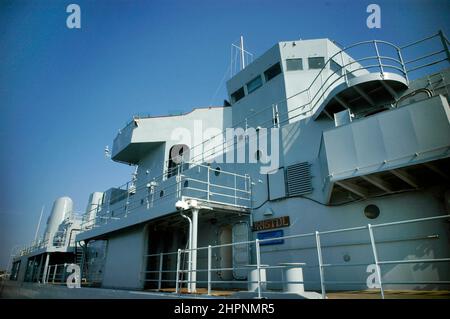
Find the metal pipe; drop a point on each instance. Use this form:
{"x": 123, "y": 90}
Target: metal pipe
{"x": 258, "y": 266}
{"x": 48, "y": 274}
{"x": 419, "y": 41}
{"x": 242, "y": 53}
{"x": 189, "y": 250}
{"x": 177, "y": 279}
{"x": 192, "y": 282}
{"x": 319, "y": 256}
{"x": 209, "y": 270}
{"x": 378, "y": 58}
{"x": 414, "y": 261}
{"x": 45, "y": 272}
{"x": 208, "y": 184}
{"x": 375, "y": 257}
{"x": 54, "y": 274}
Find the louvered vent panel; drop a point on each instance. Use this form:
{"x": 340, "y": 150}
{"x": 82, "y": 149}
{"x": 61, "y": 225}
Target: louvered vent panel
{"x": 298, "y": 179}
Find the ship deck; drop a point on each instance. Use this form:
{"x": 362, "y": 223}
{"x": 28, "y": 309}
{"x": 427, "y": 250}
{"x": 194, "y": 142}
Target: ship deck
{"x": 356, "y": 294}
{"x": 12, "y": 289}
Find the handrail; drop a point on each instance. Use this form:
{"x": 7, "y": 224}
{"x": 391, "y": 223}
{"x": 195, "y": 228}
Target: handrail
{"x": 320, "y": 93}
{"x": 170, "y": 187}
{"x": 319, "y": 75}
{"x": 317, "y": 235}
{"x": 343, "y": 66}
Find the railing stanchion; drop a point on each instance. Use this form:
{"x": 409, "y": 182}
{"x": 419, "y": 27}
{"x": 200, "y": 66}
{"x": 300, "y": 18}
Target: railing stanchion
{"x": 54, "y": 274}
{"x": 375, "y": 257}
{"x": 403, "y": 65}
{"x": 64, "y": 274}
{"x": 319, "y": 256}
{"x": 235, "y": 190}
{"x": 47, "y": 274}
{"x": 344, "y": 70}
{"x": 208, "y": 183}
{"x": 379, "y": 58}
{"x": 177, "y": 279}
{"x": 128, "y": 200}
{"x": 258, "y": 266}
{"x": 444, "y": 44}
{"x": 209, "y": 270}
{"x": 161, "y": 256}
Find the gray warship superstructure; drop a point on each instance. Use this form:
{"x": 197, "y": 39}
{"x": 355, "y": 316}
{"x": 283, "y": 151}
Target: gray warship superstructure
{"x": 344, "y": 183}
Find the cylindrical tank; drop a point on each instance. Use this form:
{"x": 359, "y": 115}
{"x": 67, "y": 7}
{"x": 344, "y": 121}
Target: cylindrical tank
{"x": 93, "y": 206}
{"x": 62, "y": 207}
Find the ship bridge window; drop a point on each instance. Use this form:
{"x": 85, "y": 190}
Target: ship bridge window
{"x": 335, "y": 67}
{"x": 254, "y": 84}
{"x": 237, "y": 95}
{"x": 294, "y": 64}
{"x": 316, "y": 62}
{"x": 272, "y": 72}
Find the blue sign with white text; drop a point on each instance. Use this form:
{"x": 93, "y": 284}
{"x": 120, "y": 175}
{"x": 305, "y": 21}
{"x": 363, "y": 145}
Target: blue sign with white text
{"x": 271, "y": 234}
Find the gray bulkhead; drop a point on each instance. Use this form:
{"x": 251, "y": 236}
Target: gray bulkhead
{"x": 327, "y": 203}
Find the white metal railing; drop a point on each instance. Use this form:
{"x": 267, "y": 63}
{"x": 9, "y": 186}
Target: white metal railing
{"x": 59, "y": 239}
{"x": 160, "y": 274}
{"x": 374, "y": 56}
{"x": 195, "y": 181}
{"x": 56, "y": 274}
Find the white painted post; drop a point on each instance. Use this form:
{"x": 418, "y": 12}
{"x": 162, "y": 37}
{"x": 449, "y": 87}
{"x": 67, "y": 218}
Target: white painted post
{"x": 54, "y": 274}
{"x": 209, "y": 270}
{"x": 343, "y": 69}
{"x": 405, "y": 73}
{"x": 45, "y": 272}
{"x": 379, "y": 58}
{"x": 235, "y": 190}
{"x": 128, "y": 200}
{"x": 375, "y": 257}
{"x": 207, "y": 185}
{"x": 258, "y": 266}
{"x": 177, "y": 279}
{"x": 48, "y": 274}
{"x": 319, "y": 255}
{"x": 193, "y": 283}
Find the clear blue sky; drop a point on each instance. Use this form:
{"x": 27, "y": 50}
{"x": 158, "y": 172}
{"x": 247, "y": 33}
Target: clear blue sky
{"x": 65, "y": 93}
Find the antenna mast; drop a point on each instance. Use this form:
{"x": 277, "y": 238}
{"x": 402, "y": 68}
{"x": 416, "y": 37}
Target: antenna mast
{"x": 242, "y": 53}
{"x": 238, "y": 52}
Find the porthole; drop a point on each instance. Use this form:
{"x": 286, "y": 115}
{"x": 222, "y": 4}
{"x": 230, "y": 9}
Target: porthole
{"x": 346, "y": 258}
{"x": 372, "y": 211}
{"x": 217, "y": 171}
{"x": 161, "y": 193}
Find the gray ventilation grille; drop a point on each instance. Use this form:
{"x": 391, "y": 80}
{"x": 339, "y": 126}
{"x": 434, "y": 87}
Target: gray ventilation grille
{"x": 298, "y": 179}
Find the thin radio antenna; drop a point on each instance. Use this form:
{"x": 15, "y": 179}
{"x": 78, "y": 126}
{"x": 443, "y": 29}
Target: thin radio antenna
{"x": 243, "y": 55}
